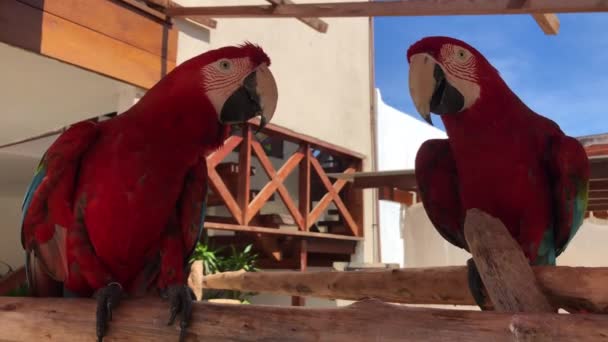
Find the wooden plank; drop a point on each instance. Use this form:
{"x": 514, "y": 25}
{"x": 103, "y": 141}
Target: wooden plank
{"x": 267, "y": 166}
{"x": 396, "y": 8}
{"x": 598, "y": 194}
{"x": 218, "y": 186}
{"x": 370, "y": 320}
{"x": 304, "y": 186}
{"x": 30, "y": 28}
{"x": 315, "y": 23}
{"x": 274, "y": 231}
{"x": 598, "y": 184}
{"x": 298, "y": 138}
{"x": 598, "y": 167}
{"x": 503, "y": 267}
{"x": 433, "y": 285}
{"x": 21, "y": 25}
{"x": 244, "y": 179}
{"x": 548, "y": 22}
{"x": 597, "y": 207}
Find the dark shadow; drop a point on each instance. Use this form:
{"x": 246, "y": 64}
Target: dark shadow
{"x": 21, "y": 23}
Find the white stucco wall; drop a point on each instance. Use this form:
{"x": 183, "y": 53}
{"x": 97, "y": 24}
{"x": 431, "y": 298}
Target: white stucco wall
{"x": 399, "y": 137}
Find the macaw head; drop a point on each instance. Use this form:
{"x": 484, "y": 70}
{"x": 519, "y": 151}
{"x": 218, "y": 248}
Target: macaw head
{"x": 448, "y": 76}
{"x": 217, "y": 89}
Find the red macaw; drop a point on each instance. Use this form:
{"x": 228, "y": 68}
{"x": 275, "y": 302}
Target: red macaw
{"x": 500, "y": 156}
{"x": 116, "y": 207}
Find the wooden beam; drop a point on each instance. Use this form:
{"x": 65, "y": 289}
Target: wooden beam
{"x": 274, "y": 231}
{"x": 402, "y": 179}
{"x": 433, "y": 285}
{"x": 315, "y": 23}
{"x": 406, "y": 179}
{"x": 37, "y": 319}
{"x": 549, "y": 23}
{"x": 396, "y": 195}
{"x": 199, "y": 20}
{"x": 503, "y": 267}
{"x": 115, "y": 20}
{"x": 41, "y": 32}
{"x": 396, "y": 8}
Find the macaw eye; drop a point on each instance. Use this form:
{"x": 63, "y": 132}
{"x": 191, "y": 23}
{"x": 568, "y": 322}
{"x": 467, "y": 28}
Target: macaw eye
{"x": 461, "y": 54}
{"x": 225, "y": 65}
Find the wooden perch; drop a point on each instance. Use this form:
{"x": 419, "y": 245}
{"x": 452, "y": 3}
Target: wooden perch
{"x": 58, "y": 319}
{"x": 502, "y": 265}
{"x": 437, "y": 285}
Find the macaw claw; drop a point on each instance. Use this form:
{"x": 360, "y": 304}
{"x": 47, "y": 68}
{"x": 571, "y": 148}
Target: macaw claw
{"x": 108, "y": 298}
{"x": 475, "y": 284}
{"x": 180, "y": 299}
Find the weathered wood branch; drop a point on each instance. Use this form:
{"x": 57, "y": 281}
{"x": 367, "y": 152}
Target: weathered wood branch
{"x": 35, "y": 319}
{"x": 502, "y": 265}
{"x": 436, "y": 285}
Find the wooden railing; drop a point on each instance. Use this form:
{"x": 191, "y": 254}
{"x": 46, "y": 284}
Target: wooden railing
{"x": 243, "y": 207}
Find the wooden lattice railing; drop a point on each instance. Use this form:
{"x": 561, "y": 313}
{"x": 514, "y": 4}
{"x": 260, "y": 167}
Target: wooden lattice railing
{"x": 243, "y": 207}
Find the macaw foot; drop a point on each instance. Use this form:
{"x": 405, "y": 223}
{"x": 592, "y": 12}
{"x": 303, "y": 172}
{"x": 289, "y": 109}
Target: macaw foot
{"x": 108, "y": 298}
{"x": 180, "y": 298}
{"x": 475, "y": 284}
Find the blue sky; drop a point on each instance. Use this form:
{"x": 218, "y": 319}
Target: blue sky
{"x": 563, "y": 77}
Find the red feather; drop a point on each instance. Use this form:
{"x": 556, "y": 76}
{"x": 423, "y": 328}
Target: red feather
{"x": 503, "y": 158}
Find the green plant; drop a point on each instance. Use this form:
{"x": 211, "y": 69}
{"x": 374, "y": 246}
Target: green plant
{"x": 215, "y": 261}
{"x": 209, "y": 256}
{"x": 243, "y": 260}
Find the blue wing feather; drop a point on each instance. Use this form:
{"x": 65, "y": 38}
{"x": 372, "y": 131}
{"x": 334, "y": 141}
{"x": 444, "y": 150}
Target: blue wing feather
{"x": 39, "y": 175}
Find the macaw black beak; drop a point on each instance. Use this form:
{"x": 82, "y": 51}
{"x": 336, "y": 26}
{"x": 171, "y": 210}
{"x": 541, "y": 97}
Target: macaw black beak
{"x": 257, "y": 96}
{"x": 430, "y": 90}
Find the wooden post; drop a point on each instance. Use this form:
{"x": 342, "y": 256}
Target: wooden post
{"x": 504, "y": 270}
{"x": 66, "y": 320}
{"x": 245, "y": 170}
{"x": 304, "y": 206}
{"x": 304, "y": 186}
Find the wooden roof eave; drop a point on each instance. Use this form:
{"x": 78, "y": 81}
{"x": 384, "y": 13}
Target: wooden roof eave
{"x": 542, "y": 11}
